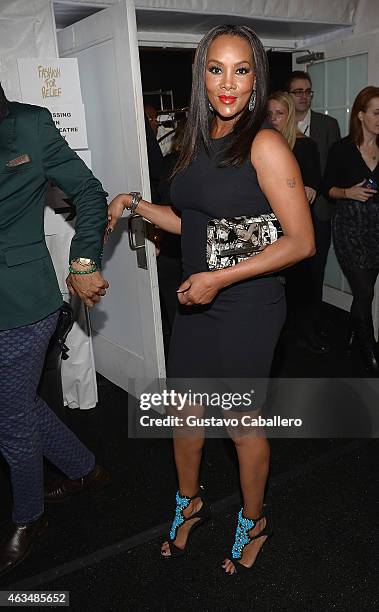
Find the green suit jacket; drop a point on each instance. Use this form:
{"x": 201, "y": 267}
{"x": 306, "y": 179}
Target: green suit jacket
{"x": 32, "y": 153}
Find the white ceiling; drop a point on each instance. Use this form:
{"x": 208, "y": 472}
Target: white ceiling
{"x": 192, "y": 23}
{"x": 199, "y": 22}
{"x": 66, "y": 14}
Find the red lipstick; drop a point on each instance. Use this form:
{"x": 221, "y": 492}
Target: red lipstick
{"x": 227, "y": 99}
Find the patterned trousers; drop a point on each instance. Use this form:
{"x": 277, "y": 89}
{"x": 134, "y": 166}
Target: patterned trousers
{"x": 29, "y": 429}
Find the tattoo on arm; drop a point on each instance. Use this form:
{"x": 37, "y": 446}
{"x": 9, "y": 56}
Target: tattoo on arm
{"x": 291, "y": 182}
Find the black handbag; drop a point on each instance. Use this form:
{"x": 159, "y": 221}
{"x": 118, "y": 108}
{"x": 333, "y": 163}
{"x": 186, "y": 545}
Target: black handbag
{"x": 64, "y": 326}
{"x": 232, "y": 240}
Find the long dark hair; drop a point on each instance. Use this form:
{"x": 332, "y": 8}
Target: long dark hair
{"x": 3, "y": 103}
{"x": 200, "y": 116}
{"x": 361, "y": 103}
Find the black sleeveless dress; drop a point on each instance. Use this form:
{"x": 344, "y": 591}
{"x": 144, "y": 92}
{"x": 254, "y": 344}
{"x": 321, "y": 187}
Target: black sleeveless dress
{"x": 235, "y": 335}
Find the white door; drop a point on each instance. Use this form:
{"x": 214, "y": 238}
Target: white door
{"x": 127, "y": 335}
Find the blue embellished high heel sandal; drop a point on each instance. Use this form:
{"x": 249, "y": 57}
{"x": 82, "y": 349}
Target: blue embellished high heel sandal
{"x": 242, "y": 538}
{"x": 203, "y": 515}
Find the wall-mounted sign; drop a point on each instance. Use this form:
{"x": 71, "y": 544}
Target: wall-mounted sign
{"x": 70, "y": 121}
{"x": 48, "y": 82}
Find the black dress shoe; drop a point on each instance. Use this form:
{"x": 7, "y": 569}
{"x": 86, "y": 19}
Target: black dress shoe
{"x": 363, "y": 342}
{"x": 64, "y": 488}
{"x": 314, "y": 343}
{"x": 19, "y": 542}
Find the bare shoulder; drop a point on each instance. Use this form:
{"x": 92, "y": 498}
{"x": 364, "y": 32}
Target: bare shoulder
{"x": 267, "y": 144}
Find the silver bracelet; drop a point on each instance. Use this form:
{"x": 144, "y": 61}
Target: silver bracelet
{"x": 136, "y": 198}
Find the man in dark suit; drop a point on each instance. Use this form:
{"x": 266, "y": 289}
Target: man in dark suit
{"x": 325, "y": 131}
{"x": 32, "y": 153}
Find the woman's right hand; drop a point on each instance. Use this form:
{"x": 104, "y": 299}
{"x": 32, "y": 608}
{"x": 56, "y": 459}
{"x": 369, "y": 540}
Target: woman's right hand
{"x": 158, "y": 214}
{"x": 360, "y": 193}
{"x": 116, "y": 208}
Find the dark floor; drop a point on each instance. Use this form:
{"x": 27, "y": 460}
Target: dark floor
{"x": 322, "y": 495}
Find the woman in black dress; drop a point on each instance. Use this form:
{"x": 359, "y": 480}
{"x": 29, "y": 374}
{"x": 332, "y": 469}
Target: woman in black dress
{"x": 281, "y": 113}
{"x": 352, "y": 178}
{"x": 229, "y": 319}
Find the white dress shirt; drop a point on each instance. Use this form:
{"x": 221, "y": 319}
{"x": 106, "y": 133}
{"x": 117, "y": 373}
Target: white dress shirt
{"x": 305, "y": 125}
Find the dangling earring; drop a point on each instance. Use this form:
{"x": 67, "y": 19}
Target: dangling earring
{"x": 253, "y": 99}
{"x": 210, "y": 107}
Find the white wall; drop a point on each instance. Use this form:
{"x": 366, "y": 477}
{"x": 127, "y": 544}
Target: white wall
{"x": 362, "y": 38}
{"x": 351, "y": 45}
{"x": 367, "y": 16}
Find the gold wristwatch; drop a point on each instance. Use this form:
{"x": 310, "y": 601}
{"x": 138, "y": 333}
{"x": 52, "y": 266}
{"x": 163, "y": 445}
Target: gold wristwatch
{"x": 84, "y": 261}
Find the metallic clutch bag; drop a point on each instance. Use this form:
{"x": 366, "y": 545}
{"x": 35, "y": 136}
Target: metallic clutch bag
{"x": 232, "y": 240}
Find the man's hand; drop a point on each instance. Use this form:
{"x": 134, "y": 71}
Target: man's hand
{"x": 89, "y": 287}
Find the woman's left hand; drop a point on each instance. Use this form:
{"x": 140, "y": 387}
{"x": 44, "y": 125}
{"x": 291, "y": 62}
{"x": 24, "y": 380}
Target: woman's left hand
{"x": 199, "y": 288}
{"x": 311, "y": 194}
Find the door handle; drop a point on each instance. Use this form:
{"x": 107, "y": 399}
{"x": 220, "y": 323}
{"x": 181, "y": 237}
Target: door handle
{"x": 137, "y": 235}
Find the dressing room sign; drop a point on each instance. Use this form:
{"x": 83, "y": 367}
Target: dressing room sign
{"x": 48, "y": 82}
{"x": 71, "y": 123}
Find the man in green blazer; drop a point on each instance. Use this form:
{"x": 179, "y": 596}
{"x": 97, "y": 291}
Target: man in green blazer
{"x": 32, "y": 153}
